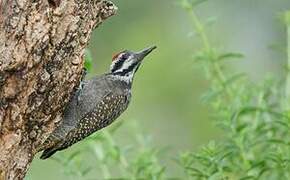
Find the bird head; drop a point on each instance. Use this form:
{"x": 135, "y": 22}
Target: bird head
{"x": 126, "y": 63}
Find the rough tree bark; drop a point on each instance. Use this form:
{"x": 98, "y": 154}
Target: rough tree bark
{"x": 41, "y": 59}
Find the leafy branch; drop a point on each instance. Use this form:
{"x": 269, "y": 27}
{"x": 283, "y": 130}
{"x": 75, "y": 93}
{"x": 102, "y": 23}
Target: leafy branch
{"x": 256, "y": 127}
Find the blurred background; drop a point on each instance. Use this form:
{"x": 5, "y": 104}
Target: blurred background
{"x": 166, "y": 105}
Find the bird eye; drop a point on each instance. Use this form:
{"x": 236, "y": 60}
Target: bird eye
{"x": 125, "y": 56}
{"x": 122, "y": 55}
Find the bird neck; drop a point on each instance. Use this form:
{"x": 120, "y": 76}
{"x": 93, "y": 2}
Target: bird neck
{"x": 126, "y": 78}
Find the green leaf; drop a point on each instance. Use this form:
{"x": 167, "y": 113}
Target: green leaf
{"x": 248, "y": 177}
{"x": 200, "y": 57}
{"x": 197, "y": 2}
{"x": 252, "y": 109}
{"x": 160, "y": 173}
{"x": 210, "y": 95}
{"x": 88, "y": 60}
{"x": 72, "y": 157}
{"x": 115, "y": 153}
{"x": 227, "y": 56}
{"x": 277, "y": 141}
{"x": 196, "y": 172}
{"x": 185, "y": 4}
{"x": 211, "y": 20}
{"x": 257, "y": 165}
{"x": 282, "y": 123}
{"x": 86, "y": 171}
{"x": 234, "y": 78}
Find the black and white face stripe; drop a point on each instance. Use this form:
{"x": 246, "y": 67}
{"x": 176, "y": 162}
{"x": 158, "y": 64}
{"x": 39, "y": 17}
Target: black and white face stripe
{"x": 124, "y": 64}
{"x": 117, "y": 65}
{"x": 118, "y": 61}
{"x": 131, "y": 69}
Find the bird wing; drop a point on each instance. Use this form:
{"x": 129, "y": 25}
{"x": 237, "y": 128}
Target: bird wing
{"x": 102, "y": 115}
{"x": 92, "y": 93}
{"x": 81, "y": 103}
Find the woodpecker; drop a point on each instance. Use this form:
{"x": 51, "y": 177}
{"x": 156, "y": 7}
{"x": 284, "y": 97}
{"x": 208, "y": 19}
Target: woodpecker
{"x": 97, "y": 103}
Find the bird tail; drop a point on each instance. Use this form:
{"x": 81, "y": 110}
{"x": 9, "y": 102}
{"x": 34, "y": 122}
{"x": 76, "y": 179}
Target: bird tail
{"x": 48, "y": 152}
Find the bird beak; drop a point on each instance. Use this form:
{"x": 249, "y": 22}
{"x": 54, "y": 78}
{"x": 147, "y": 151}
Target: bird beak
{"x": 142, "y": 54}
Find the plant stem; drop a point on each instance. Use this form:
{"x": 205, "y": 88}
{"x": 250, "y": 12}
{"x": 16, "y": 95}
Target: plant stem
{"x": 287, "y": 90}
{"x": 258, "y": 113}
{"x": 123, "y": 161}
{"x": 198, "y": 26}
{"x": 106, "y": 171}
{"x": 200, "y": 29}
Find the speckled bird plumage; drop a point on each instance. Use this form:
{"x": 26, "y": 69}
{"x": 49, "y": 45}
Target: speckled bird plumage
{"x": 97, "y": 103}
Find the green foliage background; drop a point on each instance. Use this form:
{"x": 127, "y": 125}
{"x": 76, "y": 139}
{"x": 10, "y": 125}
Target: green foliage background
{"x": 209, "y": 103}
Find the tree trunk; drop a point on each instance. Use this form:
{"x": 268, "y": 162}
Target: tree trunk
{"x": 41, "y": 60}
